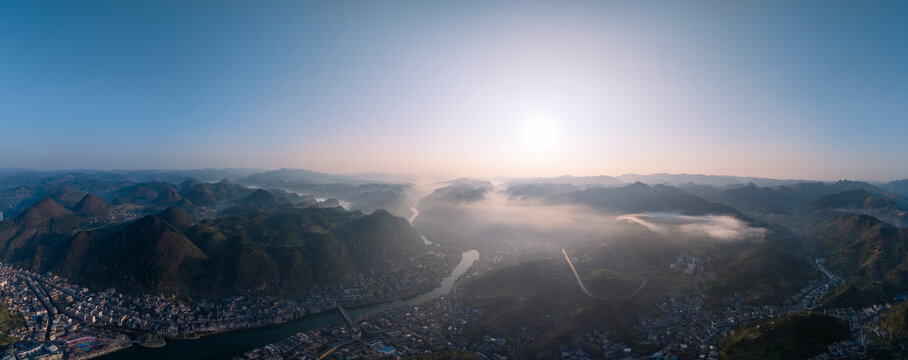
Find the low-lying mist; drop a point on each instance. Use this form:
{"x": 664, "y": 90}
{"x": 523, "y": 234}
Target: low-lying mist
{"x": 497, "y": 208}
{"x": 494, "y": 219}
{"x": 719, "y": 227}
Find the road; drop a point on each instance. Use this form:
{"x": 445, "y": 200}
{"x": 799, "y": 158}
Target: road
{"x": 580, "y": 281}
{"x": 697, "y": 281}
{"x": 43, "y": 298}
{"x": 515, "y": 347}
{"x": 356, "y": 337}
{"x": 643, "y": 282}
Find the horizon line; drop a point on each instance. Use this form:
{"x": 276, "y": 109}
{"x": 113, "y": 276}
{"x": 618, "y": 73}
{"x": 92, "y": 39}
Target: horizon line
{"x": 450, "y": 176}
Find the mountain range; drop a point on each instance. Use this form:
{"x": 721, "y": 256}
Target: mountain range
{"x": 259, "y": 233}
{"x": 262, "y": 246}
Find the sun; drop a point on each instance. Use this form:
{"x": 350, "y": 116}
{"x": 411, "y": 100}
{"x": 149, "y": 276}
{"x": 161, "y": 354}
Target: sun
{"x": 540, "y": 137}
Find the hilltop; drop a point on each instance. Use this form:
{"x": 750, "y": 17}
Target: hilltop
{"x": 872, "y": 254}
{"x": 91, "y": 205}
{"x": 639, "y": 197}
{"x": 255, "y": 250}
{"x": 42, "y": 224}
{"x": 864, "y": 202}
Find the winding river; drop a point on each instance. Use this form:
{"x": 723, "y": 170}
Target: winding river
{"x": 229, "y": 344}
{"x": 413, "y": 214}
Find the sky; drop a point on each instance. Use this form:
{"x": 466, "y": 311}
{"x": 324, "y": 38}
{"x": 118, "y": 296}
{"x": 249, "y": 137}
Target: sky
{"x": 787, "y": 89}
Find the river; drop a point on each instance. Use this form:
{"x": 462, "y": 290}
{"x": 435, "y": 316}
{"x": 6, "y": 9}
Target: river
{"x": 229, "y": 344}
{"x": 413, "y": 214}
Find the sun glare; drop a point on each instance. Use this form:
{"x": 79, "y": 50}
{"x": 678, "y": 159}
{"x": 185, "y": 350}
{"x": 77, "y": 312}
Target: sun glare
{"x": 540, "y": 137}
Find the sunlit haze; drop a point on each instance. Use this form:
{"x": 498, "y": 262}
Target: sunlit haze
{"x": 806, "y": 90}
{"x": 453, "y": 179}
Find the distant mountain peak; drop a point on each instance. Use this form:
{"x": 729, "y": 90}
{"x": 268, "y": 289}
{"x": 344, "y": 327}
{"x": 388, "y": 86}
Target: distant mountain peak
{"x": 638, "y": 185}
{"x": 91, "y": 204}
{"x": 44, "y": 210}
{"x": 260, "y": 197}
{"x": 176, "y": 217}
{"x": 852, "y": 199}
{"x": 189, "y": 182}
{"x": 168, "y": 196}
{"x": 49, "y": 208}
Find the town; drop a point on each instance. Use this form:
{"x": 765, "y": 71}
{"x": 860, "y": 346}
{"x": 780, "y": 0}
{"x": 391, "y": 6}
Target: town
{"x": 66, "y": 321}
{"x": 684, "y": 328}
{"x": 63, "y": 320}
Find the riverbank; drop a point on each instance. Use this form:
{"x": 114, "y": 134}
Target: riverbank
{"x": 228, "y": 344}
{"x": 402, "y": 297}
{"x": 150, "y": 341}
{"x": 427, "y": 324}
{"x": 100, "y": 353}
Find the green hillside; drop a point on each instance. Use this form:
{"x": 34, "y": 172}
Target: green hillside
{"x": 872, "y": 255}
{"x": 8, "y": 321}
{"x": 38, "y": 227}
{"x": 257, "y": 248}
{"x": 764, "y": 271}
{"x": 895, "y": 320}
{"x": 795, "y": 336}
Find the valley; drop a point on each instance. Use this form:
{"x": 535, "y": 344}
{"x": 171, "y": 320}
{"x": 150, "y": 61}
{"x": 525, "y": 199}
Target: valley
{"x": 584, "y": 271}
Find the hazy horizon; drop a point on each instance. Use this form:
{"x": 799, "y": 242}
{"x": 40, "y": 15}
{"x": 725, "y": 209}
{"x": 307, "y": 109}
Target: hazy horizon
{"x": 449, "y": 177}
{"x": 764, "y": 89}
{"x": 466, "y": 179}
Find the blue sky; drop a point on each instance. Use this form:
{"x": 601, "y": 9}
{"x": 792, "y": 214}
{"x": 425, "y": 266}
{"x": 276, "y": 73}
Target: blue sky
{"x": 472, "y": 88}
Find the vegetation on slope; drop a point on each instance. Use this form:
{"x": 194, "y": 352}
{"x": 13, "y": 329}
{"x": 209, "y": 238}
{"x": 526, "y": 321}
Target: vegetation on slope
{"x": 794, "y": 336}
{"x": 8, "y": 321}
{"x": 764, "y": 271}
{"x": 872, "y": 255}
{"x": 257, "y": 248}
{"x": 542, "y": 297}
{"x": 895, "y": 320}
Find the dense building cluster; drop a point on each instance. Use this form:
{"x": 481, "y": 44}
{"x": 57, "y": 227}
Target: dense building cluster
{"x": 59, "y": 314}
{"x": 860, "y": 322}
{"x": 684, "y": 324}
{"x": 407, "y": 331}
{"x": 63, "y": 320}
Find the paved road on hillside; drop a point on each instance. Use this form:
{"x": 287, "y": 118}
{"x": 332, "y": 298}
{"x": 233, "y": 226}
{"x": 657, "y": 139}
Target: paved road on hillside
{"x": 643, "y": 282}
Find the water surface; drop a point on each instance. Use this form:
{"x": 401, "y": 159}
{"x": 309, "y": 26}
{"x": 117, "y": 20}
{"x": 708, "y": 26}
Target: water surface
{"x": 229, "y": 344}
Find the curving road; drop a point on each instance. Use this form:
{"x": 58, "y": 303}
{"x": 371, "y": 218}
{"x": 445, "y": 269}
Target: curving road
{"x": 643, "y": 282}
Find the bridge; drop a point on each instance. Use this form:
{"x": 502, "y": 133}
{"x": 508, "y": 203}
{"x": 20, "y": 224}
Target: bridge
{"x": 357, "y": 334}
{"x": 346, "y": 317}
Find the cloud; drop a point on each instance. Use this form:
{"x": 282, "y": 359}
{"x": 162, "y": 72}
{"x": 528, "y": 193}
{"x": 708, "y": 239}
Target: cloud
{"x": 496, "y": 218}
{"x": 524, "y": 223}
{"x": 497, "y": 208}
{"x": 720, "y": 227}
